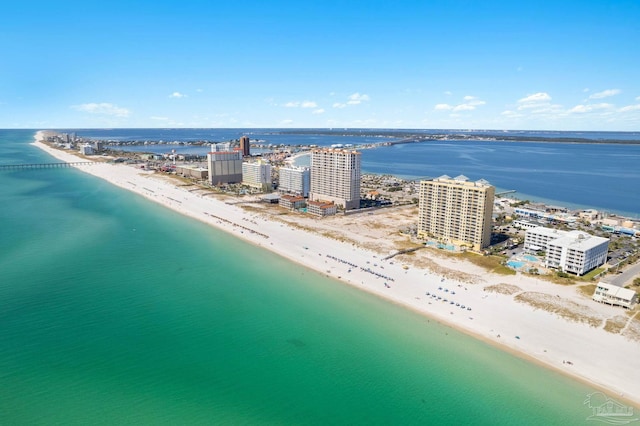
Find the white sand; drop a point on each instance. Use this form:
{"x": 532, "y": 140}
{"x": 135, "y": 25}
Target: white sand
{"x": 606, "y": 360}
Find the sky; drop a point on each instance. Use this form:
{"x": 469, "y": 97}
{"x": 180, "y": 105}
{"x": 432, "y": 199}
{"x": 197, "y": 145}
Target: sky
{"x": 426, "y": 64}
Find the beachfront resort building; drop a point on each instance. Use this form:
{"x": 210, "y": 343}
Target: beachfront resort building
{"x": 257, "y": 175}
{"x": 614, "y": 295}
{"x": 224, "y": 167}
{"x": 536, "y": 239}
{"x": 294, "y": 180}
{"x": 321, "y": 208}
{"x": 86, "y": 149}
{"x": 221, "y": 147}
{"x": 292, "y": 202}
{"x": 195, "y": 172}
{"x": 456, "y": 211}
{"x": 245, "y": 146}
{"x": 568, "y": 251}
{"x": 335, "y": 177}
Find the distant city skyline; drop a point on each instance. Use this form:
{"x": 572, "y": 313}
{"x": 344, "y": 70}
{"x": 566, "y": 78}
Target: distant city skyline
{"x": 377, "y": 64}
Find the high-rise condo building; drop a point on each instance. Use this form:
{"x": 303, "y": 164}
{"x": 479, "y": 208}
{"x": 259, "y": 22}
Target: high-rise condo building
{"x": 245, "y": 146}
{"x": 335, "y": 176}
{"x": 456, "y": 211}
{"x": 224, "y": 167}
{"x": 257, "y": 175}
{"x": 221, "y": 147}
{"x": 294, "y": 180}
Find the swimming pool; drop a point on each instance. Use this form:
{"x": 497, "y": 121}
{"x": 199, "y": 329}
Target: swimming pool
{"x": 515, "y": 264}
{"x": 530, "y": 258}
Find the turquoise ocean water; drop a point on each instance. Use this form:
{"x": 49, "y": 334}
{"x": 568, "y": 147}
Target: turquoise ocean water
{"x": 114, "y": 310}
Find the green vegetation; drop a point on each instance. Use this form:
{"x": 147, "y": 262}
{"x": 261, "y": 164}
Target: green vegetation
{"x": 490, "y": 263}
{"x": 589, "y": 276}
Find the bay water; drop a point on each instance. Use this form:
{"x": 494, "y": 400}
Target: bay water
{"x": 115, "y": 310}
{"x": 591, "y": 174}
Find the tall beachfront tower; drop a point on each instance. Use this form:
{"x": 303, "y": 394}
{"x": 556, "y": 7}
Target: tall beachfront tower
{"x": 456, "y": 211}
{"x": 257, "y": 175}
{"x": 224, "y": 167}
{"x": 245, "y": 146}
{"x": 294, "y": 180}
{"x": 335, "y": 176}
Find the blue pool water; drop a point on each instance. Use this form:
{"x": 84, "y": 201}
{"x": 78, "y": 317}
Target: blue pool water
{"x": 515, "y": 264}
{"x": 530, "y": 258}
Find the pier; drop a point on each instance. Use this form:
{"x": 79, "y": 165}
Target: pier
{"x": 44, "y": 165}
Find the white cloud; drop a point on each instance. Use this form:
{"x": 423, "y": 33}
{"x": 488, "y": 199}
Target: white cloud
{"x": 318, "y": 111}
{"x": 177, "y": 95}
{"x": 538, "y": 101}
{"x": 339, "y": 105}
{"x": 357, "y": 98}
{"x": 464, "y": 107}
{"x": 585, "y": 90}
{"x": 443, "y": 107}
{"x": 638, "y": 98}
{"x": 630, "y": 108}
{"x": 470, "y": 103}
{"x": 448, "y": 93}
{"x": 286, "y": 122}
{"x": 605, "y": 94}
{"x": 589, "y": 108}
{"x": 103, "y": 108}
{"x": 473, "y": 101}
{"x": 153, "y": 117}
{"x": 298, "y": 104}
{"x": 535, "y": 98}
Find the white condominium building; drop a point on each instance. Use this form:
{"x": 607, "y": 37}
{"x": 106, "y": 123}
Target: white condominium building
{"x": 569, "y": 251}
{"x": 456, "y": 210}
{"x": 294, "y": 180}
{"x": 577, "y": 252}
{"x": 537, "y": 238}
{"x": 335, "y": 176}
{"x": 257, "y": 175}
{"x": 221, "y": 147}
{"x": 224, "y": 167}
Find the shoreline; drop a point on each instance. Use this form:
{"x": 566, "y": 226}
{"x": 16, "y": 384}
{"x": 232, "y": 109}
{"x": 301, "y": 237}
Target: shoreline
{"x": 590, "y": 349}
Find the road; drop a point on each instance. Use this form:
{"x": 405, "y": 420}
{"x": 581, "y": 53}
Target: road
{"x": 626, "y": 277}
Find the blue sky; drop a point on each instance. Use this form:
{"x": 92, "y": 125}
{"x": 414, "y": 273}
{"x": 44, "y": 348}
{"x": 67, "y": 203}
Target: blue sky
{"x": 556, "y": 65}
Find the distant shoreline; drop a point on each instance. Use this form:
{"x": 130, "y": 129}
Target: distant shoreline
{"x": 488, "y": 136}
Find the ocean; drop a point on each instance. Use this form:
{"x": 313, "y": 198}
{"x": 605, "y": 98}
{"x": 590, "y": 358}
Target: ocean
{"x": 115, "y": 310}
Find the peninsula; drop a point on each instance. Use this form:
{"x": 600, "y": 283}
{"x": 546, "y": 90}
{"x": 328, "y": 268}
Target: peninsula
{"x": 556, "y": 326}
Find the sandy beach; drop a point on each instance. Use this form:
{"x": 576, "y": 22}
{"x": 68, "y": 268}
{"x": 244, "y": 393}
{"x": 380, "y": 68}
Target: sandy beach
{"x": 589, "y": 341}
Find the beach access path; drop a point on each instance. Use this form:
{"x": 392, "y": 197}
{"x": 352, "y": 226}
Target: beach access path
{"x": 545, "y": 323}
